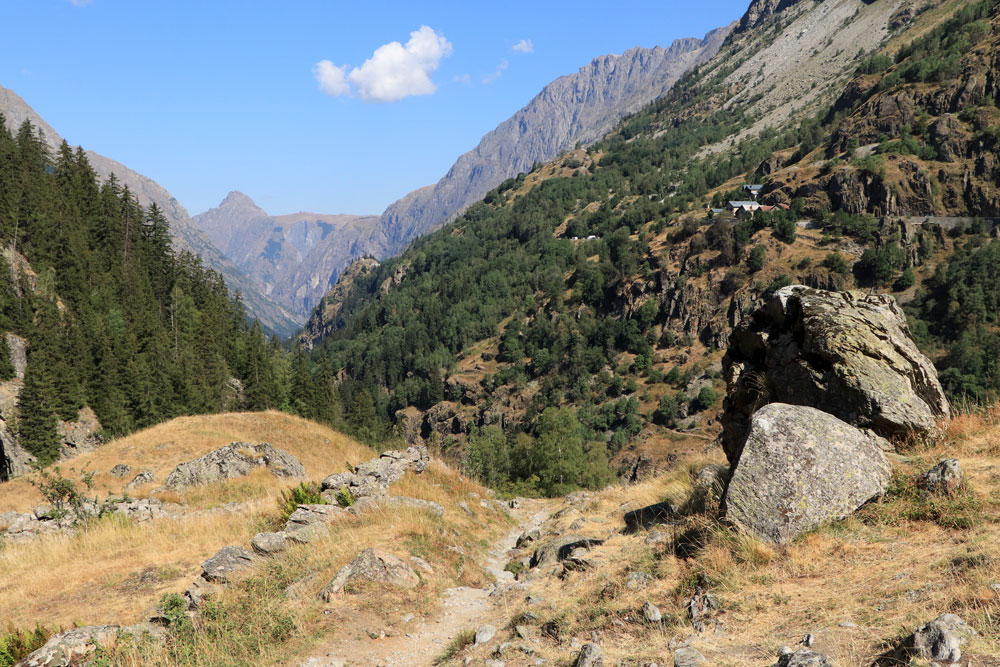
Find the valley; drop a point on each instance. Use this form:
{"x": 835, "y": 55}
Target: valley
{"x": 694, "y": 360}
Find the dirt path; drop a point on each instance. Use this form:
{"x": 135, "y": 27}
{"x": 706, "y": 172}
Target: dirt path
{"x": 461, "y": 609}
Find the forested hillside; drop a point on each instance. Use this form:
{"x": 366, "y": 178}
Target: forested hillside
{"x": 113, "y": 318}
{"x": 584, "y": 302}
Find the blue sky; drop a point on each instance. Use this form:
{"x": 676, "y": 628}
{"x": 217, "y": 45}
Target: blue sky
{"x": 211, "y": 96}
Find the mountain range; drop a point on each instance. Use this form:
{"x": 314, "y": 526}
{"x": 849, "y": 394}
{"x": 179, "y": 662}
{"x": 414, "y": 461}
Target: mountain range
{"x": 575, "y": 109}
{"x": 186, "y": 235}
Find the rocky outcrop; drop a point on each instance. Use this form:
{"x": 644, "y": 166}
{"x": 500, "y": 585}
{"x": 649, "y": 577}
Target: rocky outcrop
{"x": 802, "y": 658}
{"x": 374, "y": 477}
{"x": 375, "y": 566}
{"x": 846, "y": 353}
{"x": 72, "y": 647}
{"x": 759, "y": 12}
{"x": 219, "y": 570}
{"x": 236, "y": 459}
{"x": 47, "y": 520}
{"x": 800, "y": 468}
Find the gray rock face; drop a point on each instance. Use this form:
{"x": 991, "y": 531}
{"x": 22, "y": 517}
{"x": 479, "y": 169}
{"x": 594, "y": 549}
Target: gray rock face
{"x": 226, "y": 562}
{"x": 309, "y": 515}
{"x": 73, "y": 647}
{"x": 561, "y": 548}
{"x": 141, "y": 479}
{"x": 803, "y": 658}
{"x": 373, "y": 478}
{"x": 845, "y": 353}
{"x": 372, "y": 565}
{"x": 686, "y": 656}
{"x": 800, "y": 468}
{"x": 268, "y": 544}
{"x": 590, "y": 655}
{"x": 943, "y": 479}
{"x": 121, "y": 470}
{"x": 646, "y": 517}
{"x": 234, "y": 460}
{"x": 940, "y": 640}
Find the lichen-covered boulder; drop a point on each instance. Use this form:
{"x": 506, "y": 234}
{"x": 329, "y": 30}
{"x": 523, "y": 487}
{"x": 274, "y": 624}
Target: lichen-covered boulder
{"x": 74, "y": 647}
{"x": 374, "y": 477}
{"x": 845, "y": 353}
{"x": 372, "y": 565}
{"x": 940, "y": 641}
{"x": 236, "y": 459}
{"x": 220, "y": 568}
{"x": 800, "y": 468}
{"x": 943, "y": 479}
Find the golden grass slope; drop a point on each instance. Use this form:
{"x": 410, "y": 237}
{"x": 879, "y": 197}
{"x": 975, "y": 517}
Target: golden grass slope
{"x": 115, "y": 570}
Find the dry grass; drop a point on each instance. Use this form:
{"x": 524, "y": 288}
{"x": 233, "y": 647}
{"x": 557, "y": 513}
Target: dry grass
{"x": 321, "y": 450}
{"x": 115, "y": 570}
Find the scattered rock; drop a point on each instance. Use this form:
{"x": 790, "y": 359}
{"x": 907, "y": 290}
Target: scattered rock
{"x": 590, "y": 655}
{"x": 657, "y": 539}
{"x": 809, "y": 640}
{"x": 142, "y": 478}
{"x": 561, "y": 548}
{"x": 701, "y": 608}
{"x": 464, "y": 506}
{"x": 307, "y": 534}
{"x": 637, "y": 581}
{"x": 943, "y": 479}
{"x": 651, "y": 613}
{"x": 421, "y": 565}
{"x": 374, "y": 477}
{"x": 803, "y": 658}
{"x": 268, "y": 544}
{"x": 686, "y": 656}
{"x": 236, "y": 459}
{"x": 308, "y": 515}
{"x": 226, "y": 562}
{"x": 649, "y": 516}
{"x": 801, "y": 468}
{"x": 484, "y": 634}
{"x": 527, "y": 538}
{"x": 73, "y": 646}
{"x": 846, "y": 353}
{"x": 375, "y": 566}
{"x": 121, "y": 470}
{"x": 940, "y": 640}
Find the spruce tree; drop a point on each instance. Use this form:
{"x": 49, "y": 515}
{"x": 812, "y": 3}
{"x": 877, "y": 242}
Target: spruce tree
{"x": 36, "y": 415}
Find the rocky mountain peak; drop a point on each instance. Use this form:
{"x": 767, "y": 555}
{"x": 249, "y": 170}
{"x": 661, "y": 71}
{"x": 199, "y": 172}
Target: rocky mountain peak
{"x": 760, "y": 11}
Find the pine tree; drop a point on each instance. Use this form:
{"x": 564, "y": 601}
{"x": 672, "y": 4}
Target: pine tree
{"x": 36, "y": 414}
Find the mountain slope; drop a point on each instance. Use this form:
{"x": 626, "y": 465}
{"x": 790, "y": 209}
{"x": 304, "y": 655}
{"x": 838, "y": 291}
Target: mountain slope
{"x": 186, "y": 235}
{"x": 602, "y": 284}
{"x": 291, "y": 257}
{"x": 578, "y": 108}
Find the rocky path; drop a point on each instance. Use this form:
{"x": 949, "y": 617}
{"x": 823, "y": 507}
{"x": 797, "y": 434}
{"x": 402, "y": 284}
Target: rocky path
{"x": 461, "y": 609}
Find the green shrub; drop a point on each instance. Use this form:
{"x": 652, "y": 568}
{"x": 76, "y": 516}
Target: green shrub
{"x": 15, "y": 644}
{"x": 306, "y": 493}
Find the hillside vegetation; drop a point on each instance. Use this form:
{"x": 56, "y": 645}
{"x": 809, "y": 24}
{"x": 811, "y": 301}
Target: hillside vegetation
{"x": 598, "y": 284}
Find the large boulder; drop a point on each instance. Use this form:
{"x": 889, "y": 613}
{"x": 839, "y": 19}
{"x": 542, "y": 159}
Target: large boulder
{"x": 940, "y": 641}
{"x": 236, "y": 459}
{"x": 845, "y": 353}
{"x": 800, "y": 468}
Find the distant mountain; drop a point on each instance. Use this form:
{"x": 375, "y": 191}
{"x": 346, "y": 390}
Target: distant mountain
{"x": 578, "y": 108}
{"x": 293, "y": 258}
{"x": 186, "y": 235}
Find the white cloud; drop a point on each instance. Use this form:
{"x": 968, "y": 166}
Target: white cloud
{"x": 490, "y": 78}
{"x": 393, "y": 72}
{"x": 332, "y": 79}
{"x": 465, "y": 78}
{"x": 524, "y": 46}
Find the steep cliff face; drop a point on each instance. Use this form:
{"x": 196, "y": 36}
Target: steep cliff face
{"x": 323, "y": 320}
{"x": 578, "y": 108}
{"x": 186, "y": 235}
{"x": 293, "y": 258}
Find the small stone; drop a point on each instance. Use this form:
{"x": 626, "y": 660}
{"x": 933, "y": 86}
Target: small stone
{"x": 528, "y": 537}
{"x": 944, "y": 479}
{"x": 522, "y": 631}
{"x": 847, "y": 624}
{"x": 121, "y": 470}
{"x": 686, "y": 656}
{"x": 485, "y": 633}
{"x": 637, "y": 581}
{"x": 268, "y": 544}
{"x": 809, "y": 640}
{"x": 651, "y": 613}
{"x": 465, "y": 508}
{"x": 657, "y": 538}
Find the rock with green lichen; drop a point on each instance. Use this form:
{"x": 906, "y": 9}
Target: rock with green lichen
{"x": 846, "y": 353}
{"x": 801, "y": 468}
